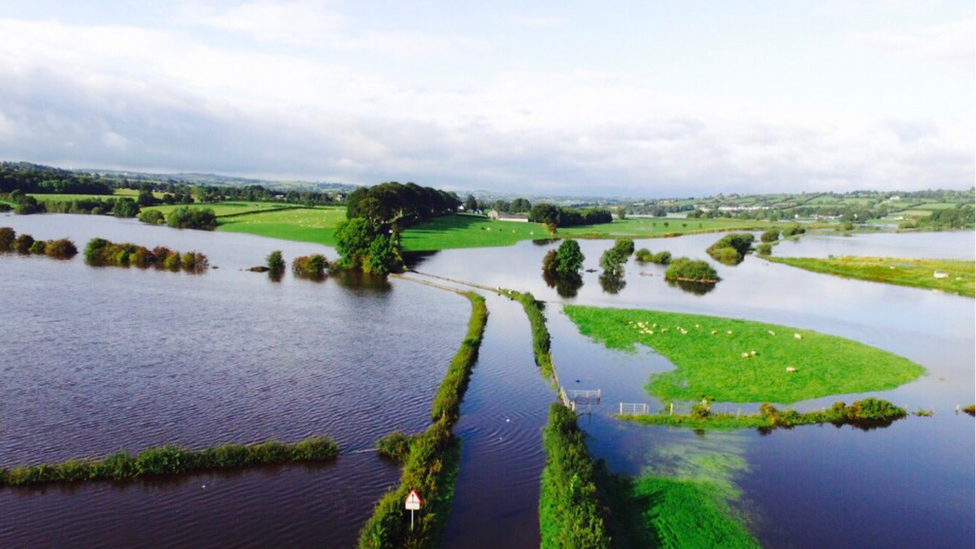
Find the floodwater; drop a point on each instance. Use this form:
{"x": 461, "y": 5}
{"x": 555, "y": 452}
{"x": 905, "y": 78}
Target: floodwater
{"x": 909, "y": 485}
{"x": 95, "y": 359}
{"x": 98, "y": 359}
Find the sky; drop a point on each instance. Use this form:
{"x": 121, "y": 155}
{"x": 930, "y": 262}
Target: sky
{"x": 613, "y": 98}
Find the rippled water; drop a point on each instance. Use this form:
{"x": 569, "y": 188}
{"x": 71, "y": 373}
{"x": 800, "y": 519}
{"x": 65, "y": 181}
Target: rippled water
{"x": 97, "y": 359}
{"x": 909, "y": 485}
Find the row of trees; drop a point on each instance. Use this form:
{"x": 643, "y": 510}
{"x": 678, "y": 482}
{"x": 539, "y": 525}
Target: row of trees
{"x": 31, "y": 178}
{"x": 399, "y": 204}
{"x": 103, "y": 253}
{"x": 555, "y": 216}
{"x": 25, "y": 244}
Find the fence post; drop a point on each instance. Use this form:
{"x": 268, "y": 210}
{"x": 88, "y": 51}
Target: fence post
{"x": 672, "y": 409}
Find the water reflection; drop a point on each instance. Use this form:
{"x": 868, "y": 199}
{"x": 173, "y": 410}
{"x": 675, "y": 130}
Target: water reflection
{"x": 566, "y": 284}
{"x": 695, "y": 288}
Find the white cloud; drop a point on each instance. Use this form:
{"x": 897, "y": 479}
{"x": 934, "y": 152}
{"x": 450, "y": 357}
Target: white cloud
{"x": 525, "y": 21}
{"x": 954, "y": 43}
{"x": 117, "y": 96}
{"x": 294, "y": 22}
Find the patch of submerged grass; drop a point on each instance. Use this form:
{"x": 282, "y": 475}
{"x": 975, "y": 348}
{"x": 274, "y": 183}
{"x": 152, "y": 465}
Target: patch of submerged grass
{"x": 866, "y": 414}
{"x": 734, "y": 360}
{"x": 682, "y": 500}
{"x": 171, "y": 460}
{"x": 395, "y": 446}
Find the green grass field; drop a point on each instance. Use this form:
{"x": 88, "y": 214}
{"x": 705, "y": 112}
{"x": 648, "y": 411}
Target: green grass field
{"x": 461, "y": 231}
{"x": 917, "y": 273}
{"x": 119, "y": 193}
{"x": 301, "y": 224}
{"x": 222, "y": 209}
{"x": 708, "y": 354}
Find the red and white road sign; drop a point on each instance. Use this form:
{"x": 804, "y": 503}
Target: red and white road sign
{"x": 413, "y": 501}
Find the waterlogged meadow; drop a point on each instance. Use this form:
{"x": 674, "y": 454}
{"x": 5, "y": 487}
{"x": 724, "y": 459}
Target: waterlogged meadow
{"x": 731, "y": 360}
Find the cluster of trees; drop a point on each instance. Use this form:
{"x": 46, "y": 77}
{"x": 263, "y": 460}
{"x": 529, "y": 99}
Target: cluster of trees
{"x": 519, "y": 205}
{"x": 25, "y": 244}
{"x": 399, "y": 204}
{"x": 31, "y": 178}
{"x": 646, "y": 256}
{"x": 311, "y": 267}
{"x": 959, "y": 217}
{"x": 732, "y": 248}
{"x": 793, "y": 230}
{"x": 561, "y": 268}
{"x": 119, "y": 207}
{"x": 192, "y": 218}
{"x": 103, "y": 253}
{"x": 555, "y": 216}
{"x": 684, "y": 269}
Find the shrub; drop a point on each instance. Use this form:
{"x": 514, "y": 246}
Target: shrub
{"x": 61, "y": 249}
{"x": 312, "y": 267}
{"x": 613, "y": 259}
{"x": 194, "y": 262}
{"x": 7, "y": 238}
{"x": 731, "y": 248}
{"x": 772, "y": 235}
{"x": 645, "y": 256}
{"x": 691, "y": 270}
{"x": 125, "y": 207}
{"x": 765, "y": 249}
{"x": 793, "y": 230}
{"x": 23, "y": 243}
{"x": 394, "y": 446}
{"x": 275, "y": 264}
{"x": 192, "y": 218}
{"x": 153, "y": 217}
{"x": 100, "y": 252}
{"x": 37, "y": 247}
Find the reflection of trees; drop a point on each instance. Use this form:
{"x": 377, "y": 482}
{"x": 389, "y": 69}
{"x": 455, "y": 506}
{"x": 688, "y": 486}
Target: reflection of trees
{"x": 612, "y": 282}
{"x": 566, "y": 285}
{"x": 358, "y": 280}
{"x": 697, "y": 288}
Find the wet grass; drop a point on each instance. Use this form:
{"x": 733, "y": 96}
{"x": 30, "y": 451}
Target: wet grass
{"x": 172, "y": 460}
{"x": 730, "y": 360}
{"x": 917, "y": 273}
{"x": 431, "y": 459}
{"x": 570, "y": 514}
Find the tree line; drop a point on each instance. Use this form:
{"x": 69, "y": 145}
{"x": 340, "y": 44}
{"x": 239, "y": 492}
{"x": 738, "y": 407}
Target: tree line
{"x": 103, "y": 253}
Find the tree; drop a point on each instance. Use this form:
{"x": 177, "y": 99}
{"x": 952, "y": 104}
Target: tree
{"x": 470, "y": 203}
{"x": 192, "y": 218}
{"x": 569, "y": 257}
{"x": 7, "y": 238}
{"x": 125, "y": 207}
{"x": 520, "y": 205}
{"x": 772, "y": 235}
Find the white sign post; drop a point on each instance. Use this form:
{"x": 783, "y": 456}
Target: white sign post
{"x": 413, "y": 504}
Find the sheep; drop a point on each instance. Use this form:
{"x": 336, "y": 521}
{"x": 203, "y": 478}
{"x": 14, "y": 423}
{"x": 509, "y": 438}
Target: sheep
{"x": 772, "y": 333}
{"x": 753, "y": 353}
{"x": 714, "y": 332}
{"x": 745, "y": 355}
{"x": 797, "y": 336}
{"x": 790, "y": 369}
{"x": 728, "y": 332}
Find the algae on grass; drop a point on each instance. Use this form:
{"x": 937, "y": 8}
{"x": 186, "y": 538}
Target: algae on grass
{"x": 731, "y": 360}
{"x": 684, "y": 498}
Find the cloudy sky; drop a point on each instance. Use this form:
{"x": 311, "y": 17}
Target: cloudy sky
{"x": 642, "y": 98}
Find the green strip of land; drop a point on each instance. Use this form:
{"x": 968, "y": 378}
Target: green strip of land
{"x": 959, "y": 275}
{"x": 731, "y": 360}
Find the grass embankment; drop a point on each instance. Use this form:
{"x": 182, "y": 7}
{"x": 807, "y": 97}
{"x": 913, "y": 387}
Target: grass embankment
{"x": 172, "y": 460}
{"x": 540, "y": 333}
{"x": 430, "y": 463}
{"x": 864, "y": 414}
{"x": 730, "y": 360}
{"x": 227, "y": 209}
{"x": 918, "y": 273}
{"x": 570, "y": 514}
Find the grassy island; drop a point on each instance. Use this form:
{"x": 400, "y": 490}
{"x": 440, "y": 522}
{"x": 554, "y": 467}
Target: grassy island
{"x": 959, "y": 275}
{"x": 730, "y": 360}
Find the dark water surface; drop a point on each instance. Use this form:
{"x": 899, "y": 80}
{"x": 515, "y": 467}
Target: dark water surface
{"x": 95, "y": 359}
{"x": 909, "y": 485}
{"x": 98, "y": 359}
